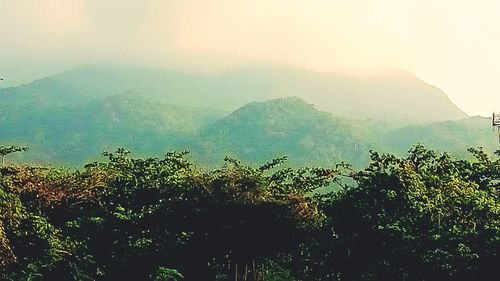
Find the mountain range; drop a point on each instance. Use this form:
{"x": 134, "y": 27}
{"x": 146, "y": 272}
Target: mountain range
{"x": 397, "y": 95}
{"x": 254, "y": 113}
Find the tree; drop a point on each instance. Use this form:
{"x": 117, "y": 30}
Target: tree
{"x": 136, "y": 219}
{"x": 6, "y": 150}
{"x": 425, "y": 216}
{"x": 422, "y": 217}
{"x": 169, "y": 213}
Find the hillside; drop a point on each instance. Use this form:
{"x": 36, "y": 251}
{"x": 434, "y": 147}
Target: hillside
{"x": 394, "y": 97}
{"x": 452, "y": 136}
{"x": 71, "y": 134}
{"x": 255, "y": 133}
{"x": 71, "y": 117}
{"x": 286, "y": 126}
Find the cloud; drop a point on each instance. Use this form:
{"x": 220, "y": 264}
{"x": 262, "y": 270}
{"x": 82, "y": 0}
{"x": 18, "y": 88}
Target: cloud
{"x": 453, "y": 44}
{"x": 117, "y": 16}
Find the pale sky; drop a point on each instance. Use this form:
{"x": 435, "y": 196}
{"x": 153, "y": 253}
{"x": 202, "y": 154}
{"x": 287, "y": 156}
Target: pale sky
{"x": 452, "y": 44}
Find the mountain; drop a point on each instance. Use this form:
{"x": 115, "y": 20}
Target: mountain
{"x": 76, "y": 133}
{"x": 452, "y": 136}
{"x": 71, "y": 117}
{"x": 255, "y": 132}
{"x": 397, "y": 97}
{"x": 284, "y": 126}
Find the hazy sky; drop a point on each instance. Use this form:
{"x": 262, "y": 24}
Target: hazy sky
{"x": 452, "y": 44}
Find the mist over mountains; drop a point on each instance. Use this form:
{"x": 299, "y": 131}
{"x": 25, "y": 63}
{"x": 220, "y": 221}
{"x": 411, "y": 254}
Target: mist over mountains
{"x": 397, "y": 95}
{"x": 255, "y": 113}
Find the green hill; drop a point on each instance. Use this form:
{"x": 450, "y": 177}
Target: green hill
{"x": 286, "y": 126}
{"x": 76, "y": 133}
{"x": 71, "y": 117}
{"x": 395, "y": 97}
{"x": 452, "y": 136}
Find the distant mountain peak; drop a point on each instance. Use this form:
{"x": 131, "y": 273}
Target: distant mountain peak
{"x": 286, "y": 106}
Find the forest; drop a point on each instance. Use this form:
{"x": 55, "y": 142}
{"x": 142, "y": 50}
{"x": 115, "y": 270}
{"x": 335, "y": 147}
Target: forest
{"x": 250, "y": 140}
{"x": 425, "y": 215}
{"x": 252, "y": 114}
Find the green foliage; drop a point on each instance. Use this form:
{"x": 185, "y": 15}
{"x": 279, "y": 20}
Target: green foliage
{"x": 422, "y": 217}
{"x": 167, "y": 274}
{"x": 425, "y": 216}
{"x": 74, "y": 134}
{"x": 287, "y": 126}
{"x": 132, "y": 219}
{"x": 68, "y": 119}
{"x": 11, "y": 214}
{"x": 32, "y": 246}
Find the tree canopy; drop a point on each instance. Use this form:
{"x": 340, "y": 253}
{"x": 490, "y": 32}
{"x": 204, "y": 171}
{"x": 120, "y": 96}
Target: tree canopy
{"x": 425, "y": 216}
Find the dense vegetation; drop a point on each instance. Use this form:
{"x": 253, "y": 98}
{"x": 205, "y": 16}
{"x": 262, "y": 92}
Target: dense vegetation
{"x": 69, "y": 118}
{"x": 424, "y": 216}
{"x": 76, "y": 134}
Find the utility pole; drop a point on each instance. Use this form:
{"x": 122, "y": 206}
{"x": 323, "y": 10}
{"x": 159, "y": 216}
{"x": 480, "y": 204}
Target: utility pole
{"x": 495, "y": 122}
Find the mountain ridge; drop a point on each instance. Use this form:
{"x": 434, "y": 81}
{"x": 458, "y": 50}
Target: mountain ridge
{"x": 256, "y": 132}
{"x": 392, "y": 98}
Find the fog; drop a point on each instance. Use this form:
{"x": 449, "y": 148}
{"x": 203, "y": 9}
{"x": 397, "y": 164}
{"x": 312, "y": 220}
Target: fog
{"x": 451, "y": 44}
